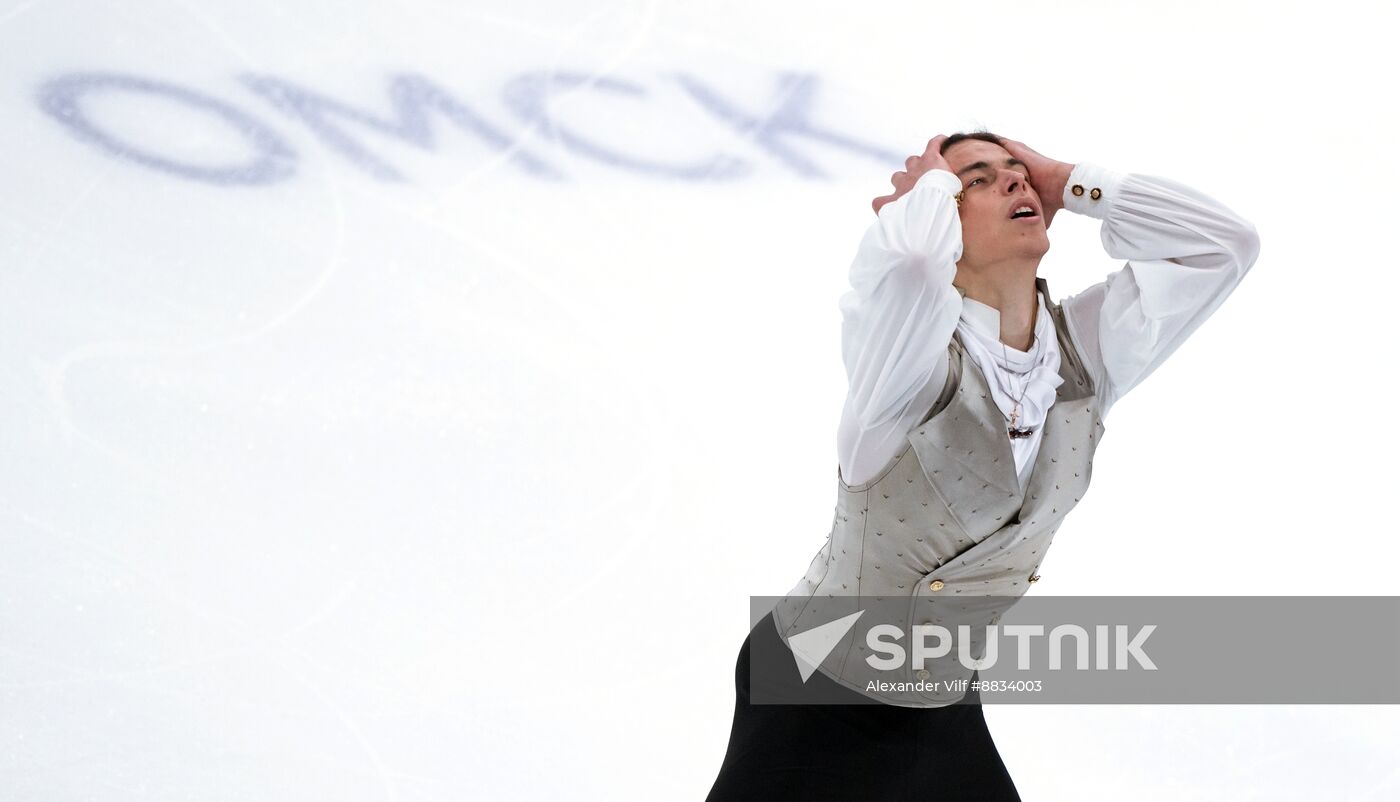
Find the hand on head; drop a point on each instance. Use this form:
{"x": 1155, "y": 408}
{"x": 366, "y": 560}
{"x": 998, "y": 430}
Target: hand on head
{"x": 914, "y": 167}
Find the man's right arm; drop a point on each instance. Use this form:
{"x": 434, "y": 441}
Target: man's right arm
{"x": 897, "y": 320}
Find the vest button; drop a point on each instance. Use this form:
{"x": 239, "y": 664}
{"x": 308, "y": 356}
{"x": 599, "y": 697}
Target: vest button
{"x": 921, "y": 673}
{"x": 936, "y": 584}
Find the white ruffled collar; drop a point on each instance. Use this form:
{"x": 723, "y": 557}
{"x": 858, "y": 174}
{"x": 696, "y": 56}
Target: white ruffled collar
{"x": 1010, "y": 371}
{"x": 986, "y": 321}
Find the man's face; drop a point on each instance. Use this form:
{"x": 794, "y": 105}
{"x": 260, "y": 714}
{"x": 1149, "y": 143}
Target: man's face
{"x": 990, "y": 194}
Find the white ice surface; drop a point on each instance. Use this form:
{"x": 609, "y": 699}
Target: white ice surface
{"x": 455, "y": 487}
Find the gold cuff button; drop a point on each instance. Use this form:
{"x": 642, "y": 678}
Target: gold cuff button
{"x": 1077, "y": 189}
{"x": 1095, "y": 193}
{"x": 936, "y": 584}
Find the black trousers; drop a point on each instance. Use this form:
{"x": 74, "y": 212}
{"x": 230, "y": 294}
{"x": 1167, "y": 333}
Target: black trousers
{"x": 850, "y": 752}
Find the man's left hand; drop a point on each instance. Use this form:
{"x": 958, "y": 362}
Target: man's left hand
{"x": 1048, "y": 177}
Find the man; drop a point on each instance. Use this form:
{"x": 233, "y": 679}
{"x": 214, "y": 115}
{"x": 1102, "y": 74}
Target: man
{"x": 974, "y": 408}
{"x": 921, "y": 275}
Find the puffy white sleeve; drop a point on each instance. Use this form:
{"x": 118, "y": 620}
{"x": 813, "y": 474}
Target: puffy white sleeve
{"x": 898, "y": 318}
{"x": 1185, "y": 252}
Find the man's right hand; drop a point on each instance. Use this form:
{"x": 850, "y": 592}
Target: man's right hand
{"x": 914, "y": 167}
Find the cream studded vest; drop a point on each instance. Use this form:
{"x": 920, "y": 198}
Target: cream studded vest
{"x": 946, "y": 525}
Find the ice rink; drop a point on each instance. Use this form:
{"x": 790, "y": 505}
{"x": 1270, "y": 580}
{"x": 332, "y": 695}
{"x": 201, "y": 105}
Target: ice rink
{"x": 390, "y": 393}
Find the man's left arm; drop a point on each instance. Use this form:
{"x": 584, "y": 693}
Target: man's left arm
{"x": 1185, "y": 252}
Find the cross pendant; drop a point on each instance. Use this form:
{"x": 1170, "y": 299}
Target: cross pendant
{"x": 1015, "y": 433}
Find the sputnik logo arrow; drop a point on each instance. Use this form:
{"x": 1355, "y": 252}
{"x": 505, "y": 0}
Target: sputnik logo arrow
{"x": 810, "y": 648}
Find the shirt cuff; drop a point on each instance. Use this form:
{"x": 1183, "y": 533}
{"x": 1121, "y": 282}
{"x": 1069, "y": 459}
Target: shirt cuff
{"x": 1097, "y": 187}
{"x": 944, "y": 178}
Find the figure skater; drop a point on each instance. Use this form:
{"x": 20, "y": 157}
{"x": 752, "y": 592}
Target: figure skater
{"x": 974, "y": 406}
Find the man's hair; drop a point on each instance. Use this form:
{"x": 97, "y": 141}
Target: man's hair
{"x": 985, "y": 136}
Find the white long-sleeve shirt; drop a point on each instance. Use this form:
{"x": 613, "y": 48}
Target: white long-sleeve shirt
{"x": 1185, "y": 253}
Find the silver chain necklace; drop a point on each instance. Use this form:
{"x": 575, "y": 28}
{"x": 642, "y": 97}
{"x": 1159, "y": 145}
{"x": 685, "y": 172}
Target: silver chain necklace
{"x": 1015, "y": 432}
